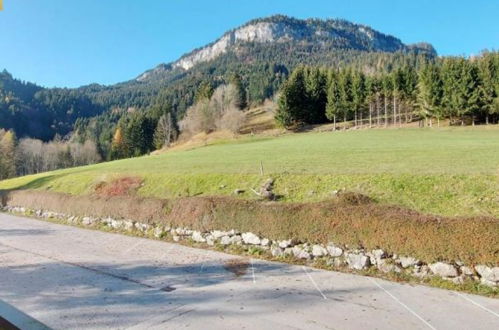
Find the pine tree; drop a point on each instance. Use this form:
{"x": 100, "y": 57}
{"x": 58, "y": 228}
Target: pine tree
{"x": 387, "y": 85}
{"x": 316, "y": 83}
{"x": 451, "y": 75}
{"x": 333, "y": 106}
{"x": 409, "y": 90}
{"x": 488, "y": 75}
{"x": 430, "y": 91}
{"x": 398, "y": 92}
{"x": 470, "y": 92}
{"x": 376, "y": 85}
{"x": 346, "y": 95}
{"x": 139, "y": 134}
{"x": 240, "y": 97}
{"x": 370, "y": 97}
{"x": 293, "y": 100}
{"x": 204, "y": 92}
{"x": 358, "y": 94}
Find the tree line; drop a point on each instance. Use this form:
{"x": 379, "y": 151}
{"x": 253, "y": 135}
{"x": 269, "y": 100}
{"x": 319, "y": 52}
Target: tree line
{"x": 465, "y": 91}
{"x": 41, "y": 113}
{"x": 140, "y": 132}
{"x": 29, "y": 156}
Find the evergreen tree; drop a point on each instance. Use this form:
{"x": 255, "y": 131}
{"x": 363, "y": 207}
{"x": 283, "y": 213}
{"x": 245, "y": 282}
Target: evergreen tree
{"x": 370, "y": 97}
{"x": 451, "y": 75}
{"x": 398, "y": 93}
{"x": 468, "y": 94}
{"x": 409, "y": 90}
{"x": 240, "y": 92}
{"x": 204, "y": 92}
{"x": 488, "y": 76}
{"x": 333, "y": 106}
{"x": 316, "y": 83}
{"x": 346, "y": 94}
{"x": 377, "y": 88}
{"x": 387, "y": 85}
{"x": 139, "y": 134}
{"x": 293, "y": 100}
{"x": 358, "y": 94}
{"x": 430, "y": 91}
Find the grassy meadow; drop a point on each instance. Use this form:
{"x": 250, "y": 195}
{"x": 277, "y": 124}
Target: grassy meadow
{"x": 444, "y": 171}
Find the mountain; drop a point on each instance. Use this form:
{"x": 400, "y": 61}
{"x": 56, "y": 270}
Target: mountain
{"x": 262, "y": 52}
{"x": 312, "y": 36}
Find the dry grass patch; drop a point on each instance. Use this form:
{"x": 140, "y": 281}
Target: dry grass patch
{"x": 146, "y": 210}
{"x": 351, "y": 219}
{"x": 259, "y": 119}
{"x": 124, "y": 186}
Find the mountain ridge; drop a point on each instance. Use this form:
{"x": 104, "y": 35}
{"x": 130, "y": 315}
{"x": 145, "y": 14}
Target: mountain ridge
{"x": 281, "y": 29}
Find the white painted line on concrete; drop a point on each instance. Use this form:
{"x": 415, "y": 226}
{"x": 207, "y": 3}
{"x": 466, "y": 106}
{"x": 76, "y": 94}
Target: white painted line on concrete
{"x": 313, "y": 282}
{"x": 402, "y": 304}
{"x": 477, "y": 304}
{"x": 253, "y": 271}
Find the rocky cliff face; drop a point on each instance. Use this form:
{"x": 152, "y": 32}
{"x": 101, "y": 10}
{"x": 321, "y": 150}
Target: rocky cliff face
{"x": 259, "y": 32}
{"x": 313, "y": 37}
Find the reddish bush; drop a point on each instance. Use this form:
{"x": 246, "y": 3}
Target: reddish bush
{"x": 125, "y": 186}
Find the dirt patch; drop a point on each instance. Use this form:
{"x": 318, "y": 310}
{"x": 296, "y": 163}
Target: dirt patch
{"x": 125, "y": 186}
{"x": 238, "y": 267}
{"x": 351, "y": 220}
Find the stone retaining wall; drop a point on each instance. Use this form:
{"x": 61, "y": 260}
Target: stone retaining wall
{"x": 332, "y": 254}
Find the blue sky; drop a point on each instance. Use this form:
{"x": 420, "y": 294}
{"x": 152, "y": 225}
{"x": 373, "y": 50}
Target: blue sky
{"x": 69, "y": 43}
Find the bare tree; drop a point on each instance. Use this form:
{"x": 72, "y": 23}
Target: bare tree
{"x": 84, "y": 154}
{"x": 217, "y": 113}
{"x": 165, "y": 132}
{"x": 232, "y": 120}
{"x": 198, "y": 118}
{"x": 34, "y": 156}
{"x": 29, "y": 156}
{"x": 224, "y": 103}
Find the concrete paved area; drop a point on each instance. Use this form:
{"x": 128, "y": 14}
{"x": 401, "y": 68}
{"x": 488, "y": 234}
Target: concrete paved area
{"x": 67, "y": 277}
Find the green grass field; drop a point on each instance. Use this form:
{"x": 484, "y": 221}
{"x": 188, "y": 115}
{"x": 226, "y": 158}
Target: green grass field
{"x": 448, "y": 171}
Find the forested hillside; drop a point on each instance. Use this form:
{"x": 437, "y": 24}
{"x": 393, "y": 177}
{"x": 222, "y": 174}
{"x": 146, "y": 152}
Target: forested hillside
{"x": 262, "y": 52}
{"x": 341, "y": 72}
